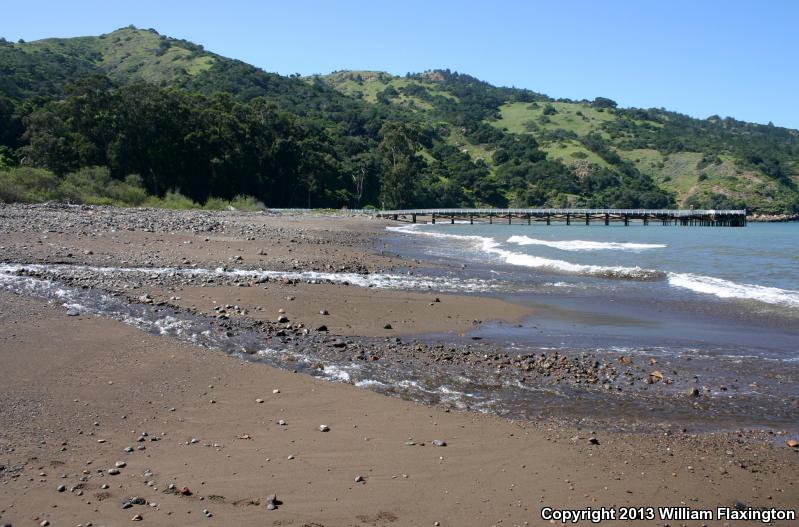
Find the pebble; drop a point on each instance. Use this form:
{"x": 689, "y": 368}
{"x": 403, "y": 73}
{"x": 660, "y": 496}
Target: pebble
{"x": 359, "y": 479}
{"x": 259, "y": 401}
{"x": 439, "y": 442}
{"x": 281, "y": 422}
{"x": 324, "y": 312}
{"x": 120, "y": 464}
{"x": 324, "y": 428}
{"x": 387, "y": 326}
{"x": 113, "y": 471}
{"x": 61, "y": 488}
{"x": 276, "y": 390}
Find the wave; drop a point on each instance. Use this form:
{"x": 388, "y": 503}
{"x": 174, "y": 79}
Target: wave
{"x": 726, "y": 289}
{"x": 585, "y": 245}
{"x": 698, "y": 283}
{"x": 491, "y": 246}
{"x": 376, "y": 280}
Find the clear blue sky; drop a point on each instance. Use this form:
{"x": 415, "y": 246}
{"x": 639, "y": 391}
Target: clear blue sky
{"x": 698, "y": 57}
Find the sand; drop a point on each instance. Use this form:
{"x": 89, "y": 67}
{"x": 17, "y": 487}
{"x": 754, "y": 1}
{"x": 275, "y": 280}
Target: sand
{"x": 76, "y": 391}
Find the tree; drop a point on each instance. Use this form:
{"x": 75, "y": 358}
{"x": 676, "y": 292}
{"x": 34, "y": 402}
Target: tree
{"x": 399, "y": 144}
{"x": 604, "y": 102}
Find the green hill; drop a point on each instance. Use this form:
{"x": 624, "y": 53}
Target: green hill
{"x": 163, "y": 115}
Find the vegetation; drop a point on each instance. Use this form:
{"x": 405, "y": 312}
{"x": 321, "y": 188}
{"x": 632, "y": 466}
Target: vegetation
{"x": 136, "y": 118}
{"x": 94, "y": 186}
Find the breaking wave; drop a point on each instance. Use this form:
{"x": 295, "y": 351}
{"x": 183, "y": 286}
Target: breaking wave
{"x": 491, "y": 246}
{"x": 585, "y": 245}
{"x": 726, "y": 289}
{"x": 697, "y": 283}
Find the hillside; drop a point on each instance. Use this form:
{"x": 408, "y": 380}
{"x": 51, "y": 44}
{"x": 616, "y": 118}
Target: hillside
{"x": 702, "y": 162}
{"x": 159, "y": 115}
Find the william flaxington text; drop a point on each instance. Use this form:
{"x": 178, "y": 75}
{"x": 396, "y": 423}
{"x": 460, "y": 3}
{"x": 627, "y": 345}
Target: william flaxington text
{"x": 637, "y": 514}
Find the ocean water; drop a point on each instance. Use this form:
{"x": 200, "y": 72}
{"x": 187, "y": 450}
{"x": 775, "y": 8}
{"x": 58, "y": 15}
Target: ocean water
{"x": 730, "y": 292}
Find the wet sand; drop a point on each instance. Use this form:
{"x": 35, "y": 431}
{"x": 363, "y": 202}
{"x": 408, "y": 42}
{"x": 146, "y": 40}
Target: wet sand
{"x": 354, "y": 311}
{"x": 75, "y": 391}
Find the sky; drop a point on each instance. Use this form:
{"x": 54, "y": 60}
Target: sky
{"x": 699, "y": 57}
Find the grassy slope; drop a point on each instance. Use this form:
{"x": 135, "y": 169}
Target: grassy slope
{"x": 679, "y": 172}
{"x": 128, "y": 54}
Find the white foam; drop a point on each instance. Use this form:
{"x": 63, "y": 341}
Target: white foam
{"x": 491, "y": 246}
{"x": 726, "y": 289}
{"x": 377, "y": 280}
{"x": 585, "y": 245}
{"x": 337, "y": 373}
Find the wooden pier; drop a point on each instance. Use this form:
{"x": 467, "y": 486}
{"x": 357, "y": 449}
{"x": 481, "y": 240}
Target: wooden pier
{"x": 685, "y": 218}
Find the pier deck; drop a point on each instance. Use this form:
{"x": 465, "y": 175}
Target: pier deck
{"x": 703, "y": 218}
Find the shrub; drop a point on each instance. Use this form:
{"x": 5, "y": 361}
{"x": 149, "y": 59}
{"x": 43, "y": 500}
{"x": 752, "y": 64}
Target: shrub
{"x": 28, "y": 185}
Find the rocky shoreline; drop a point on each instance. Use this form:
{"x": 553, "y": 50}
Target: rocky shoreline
{"x": 632, "y": 383}
{"x": 118, "y": 406}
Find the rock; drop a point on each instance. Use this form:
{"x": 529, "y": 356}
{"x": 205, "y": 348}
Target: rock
{"x": 593, "y": 440}
{"x": 137, "y": 518}
{"x": 323, "y": 312}
{"x": 693, "y": 392}
{"x": 282, "y": 319}
{"x": 281, "y": 422}
{"x": 128, "y": 449}
{"x": 130, "y": 502}
{"x": 44, "y": 523}
{"x": 359, "y": 479}
{"x": 276, "y": 390}
{"x": 387, "y": 326}
{"x": 439, "y": 442}
{"x": 120, "y": 464}
{"x": 338, "y": 343}
{"x": 185, "y": 491}
{"x": 113, "y": 471}
{"x": 259, "y": 401}
{"x": 322, "y": 328}
{"x": 272, "y": 502}
{"x": 72, "y": 312}
{"x": 61, "y": 488}
{"x": 793, "y": 443}
{"x": 324, "y": 428}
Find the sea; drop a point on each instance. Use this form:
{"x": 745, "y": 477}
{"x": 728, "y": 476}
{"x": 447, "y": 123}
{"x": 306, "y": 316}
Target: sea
{"x": 718, "y": 304}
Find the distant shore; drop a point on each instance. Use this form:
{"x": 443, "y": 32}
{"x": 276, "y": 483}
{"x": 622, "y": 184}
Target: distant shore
{"x": 773, "y": 217}
{"x": 78, "y": 390}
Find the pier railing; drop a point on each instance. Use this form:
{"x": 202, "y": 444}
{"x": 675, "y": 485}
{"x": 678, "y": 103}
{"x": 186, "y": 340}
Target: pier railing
{"x": 683, "y": 217}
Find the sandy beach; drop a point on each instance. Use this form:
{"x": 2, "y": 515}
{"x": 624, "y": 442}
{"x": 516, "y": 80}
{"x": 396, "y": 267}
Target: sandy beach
{"x": 95, "y": 413}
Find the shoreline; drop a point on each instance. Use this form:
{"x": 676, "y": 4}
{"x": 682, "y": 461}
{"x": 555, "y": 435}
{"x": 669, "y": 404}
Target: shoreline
{"x": 492, "y": 467}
